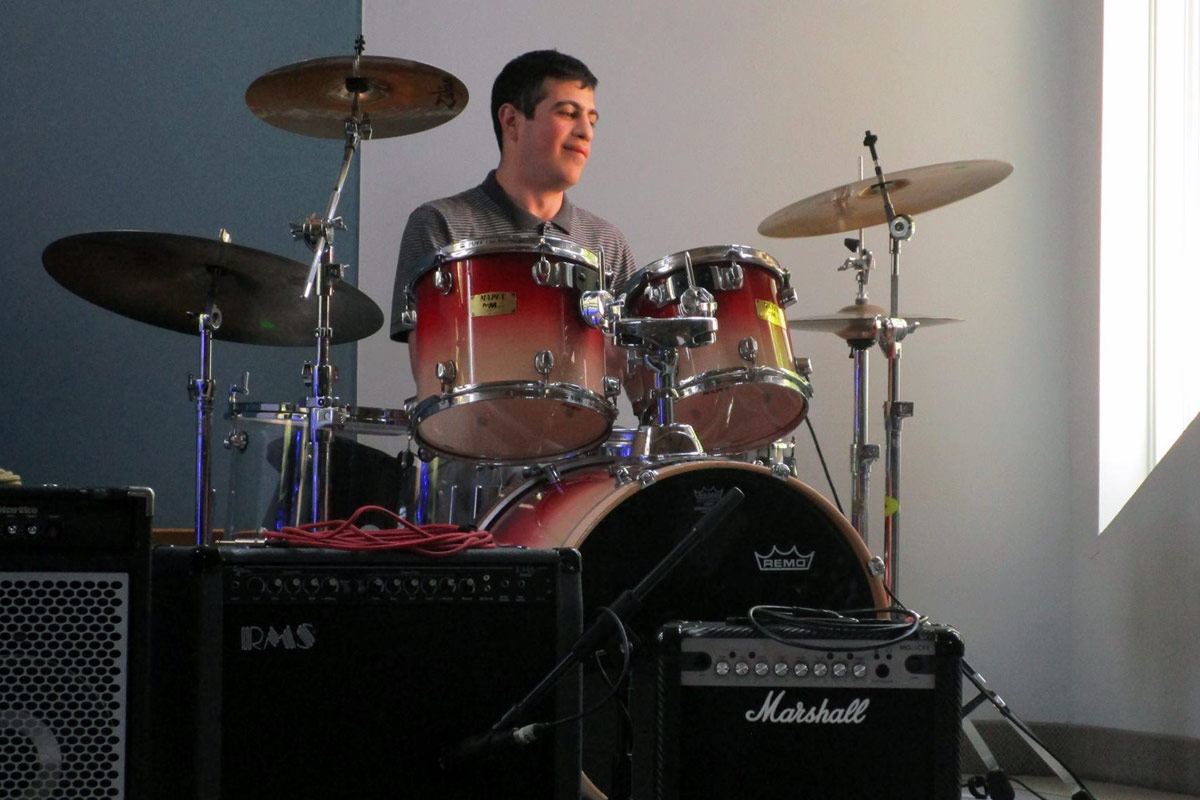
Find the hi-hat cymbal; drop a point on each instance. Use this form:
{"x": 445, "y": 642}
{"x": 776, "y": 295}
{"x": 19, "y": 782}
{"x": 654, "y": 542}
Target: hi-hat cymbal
{"x": 857, "y": 322}
{"x": 165, "y": 279}
{"x": 859, "y": 205}
{"x": 315, "y": 97}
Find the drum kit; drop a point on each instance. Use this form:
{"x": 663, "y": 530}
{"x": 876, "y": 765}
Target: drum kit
{"x": 515, "y": 401}
{"x": 520, "y": 347}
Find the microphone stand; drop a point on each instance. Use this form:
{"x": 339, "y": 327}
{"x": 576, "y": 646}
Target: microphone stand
{"x": 627, "y": 604}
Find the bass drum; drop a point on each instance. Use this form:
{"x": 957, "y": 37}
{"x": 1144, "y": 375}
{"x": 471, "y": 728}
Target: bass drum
{"x": 783, "y": 545}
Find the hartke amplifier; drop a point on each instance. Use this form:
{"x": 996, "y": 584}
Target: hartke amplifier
{"x": 298, "y": 672}
{"x": 739, "y": 714}
{"x": 74, "y": 578}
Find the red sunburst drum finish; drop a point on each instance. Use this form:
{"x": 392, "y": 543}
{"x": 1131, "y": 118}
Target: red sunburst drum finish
{"x": 734, "y": 402}
{"x": 487, "y": 316}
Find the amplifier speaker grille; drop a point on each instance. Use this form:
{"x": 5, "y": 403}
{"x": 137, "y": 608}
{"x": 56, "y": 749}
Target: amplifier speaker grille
{"x": 63, "y": 639}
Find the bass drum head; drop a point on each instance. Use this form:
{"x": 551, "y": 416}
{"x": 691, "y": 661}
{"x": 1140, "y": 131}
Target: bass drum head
{"x": 783, "y": 545}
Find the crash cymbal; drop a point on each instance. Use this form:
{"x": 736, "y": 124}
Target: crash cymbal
{"x": 859, "y": 205}
{"x": 857, "y": 322}
{"x": 165, "y": 279}
{"x": 315, "y": 97}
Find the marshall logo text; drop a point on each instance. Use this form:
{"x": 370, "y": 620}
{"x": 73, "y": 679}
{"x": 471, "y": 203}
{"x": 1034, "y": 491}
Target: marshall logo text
{"x": 288, "y": 637}
{"x": 853, "y": 714}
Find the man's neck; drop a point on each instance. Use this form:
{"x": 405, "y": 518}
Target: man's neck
{"x": 541, "y": 203}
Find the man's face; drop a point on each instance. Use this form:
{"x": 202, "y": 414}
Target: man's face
{"x": 551, "y": 147}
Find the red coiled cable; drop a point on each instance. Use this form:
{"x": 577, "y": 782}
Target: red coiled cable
{"x": 430, "y": 540}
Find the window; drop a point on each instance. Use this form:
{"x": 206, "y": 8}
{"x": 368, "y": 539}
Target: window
{"x": 1150, "y": 211}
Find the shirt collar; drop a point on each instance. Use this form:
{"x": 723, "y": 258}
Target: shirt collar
{"x": 521, "y": 218}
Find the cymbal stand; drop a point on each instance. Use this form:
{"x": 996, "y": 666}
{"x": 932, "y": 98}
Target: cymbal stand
{"x": 890, "y": 333}
{"x": 200, "y": 391}
{"x": 318, "y": 234}
{"x": 862, "y": 454}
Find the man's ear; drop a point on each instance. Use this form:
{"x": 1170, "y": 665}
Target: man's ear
{"x": 508, "y": 114}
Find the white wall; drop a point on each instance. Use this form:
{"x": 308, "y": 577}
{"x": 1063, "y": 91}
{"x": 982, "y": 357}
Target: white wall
{"x": 716, "y": 114}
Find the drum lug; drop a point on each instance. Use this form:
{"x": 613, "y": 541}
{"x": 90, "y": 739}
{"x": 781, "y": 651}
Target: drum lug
{"x": 408, "y": 317}
{"x": 661, "y": 295}
{"x": 547, "y": 471}
{"x": 728, "y": 279}
{"x": 876, "y": 567}
{"x": 560, "y": 275}
{"x": 787, "y": 295}
{"x": 612, "y": 387}
{"x": 748, "y": 349}
{"x": 647, "y": 477}
{"x": 446, "y": 372}
{"x": 543, "y": 362}
{"x": 443, "y": 280}
{"x": 803, "y": 365}
{"x": 622, "y": 475}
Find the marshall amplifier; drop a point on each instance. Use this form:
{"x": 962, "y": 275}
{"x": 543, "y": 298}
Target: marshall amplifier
{"x": 739, "y": 714}
{"x": 74, "y": 571}
{"x": 300, "y": 672}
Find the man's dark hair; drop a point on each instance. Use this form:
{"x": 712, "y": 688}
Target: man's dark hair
{"x": 522, "y": 82}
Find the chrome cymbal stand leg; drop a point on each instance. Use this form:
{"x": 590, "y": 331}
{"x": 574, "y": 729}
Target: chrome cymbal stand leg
{"x": 862, "y": 454}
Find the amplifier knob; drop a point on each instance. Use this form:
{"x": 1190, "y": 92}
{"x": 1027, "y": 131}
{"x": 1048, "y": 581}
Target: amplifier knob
{"x": 860, "y": 670}
{"x": 741, "y": 669}
{"x": 256, "y": 586}
{"x": 781, "y": 669}
{"x": 376, "y": 586}
{"x": 800, "y": 670}
{"x": 820, "y": 670}
{"x": 466, "y": 586}
{"x": 722, "y": 668}
{"x": 762, "y": 669}
{"x": 840, "y": 670}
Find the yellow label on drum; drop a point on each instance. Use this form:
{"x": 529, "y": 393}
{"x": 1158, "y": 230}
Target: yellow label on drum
{"x": 493, "y": 304}
{"x": 770, "y": 312}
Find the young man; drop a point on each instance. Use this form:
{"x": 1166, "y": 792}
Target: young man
{"x": 544, "y": 114}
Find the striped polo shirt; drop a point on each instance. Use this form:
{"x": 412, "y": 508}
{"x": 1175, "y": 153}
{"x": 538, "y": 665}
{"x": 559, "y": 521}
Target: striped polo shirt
{"x": 487, "y": 211}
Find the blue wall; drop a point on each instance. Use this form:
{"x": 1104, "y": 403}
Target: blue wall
{"x": 131, "y": 115}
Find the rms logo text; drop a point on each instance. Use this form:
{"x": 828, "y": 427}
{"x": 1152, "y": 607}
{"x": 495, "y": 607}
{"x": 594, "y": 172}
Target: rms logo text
{"x": 288, "y": 637}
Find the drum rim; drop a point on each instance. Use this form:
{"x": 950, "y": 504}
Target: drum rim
{"x": 701, "y": 256}
{"x": 507, "y": 243}
{"x": 351, "y": 418}
{"x": 512, "y": 390}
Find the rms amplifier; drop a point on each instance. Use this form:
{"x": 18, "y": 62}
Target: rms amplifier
{"x": 299, "y": 672}
{"x": 740, "y": 714}
{"x": 74, "y": 569}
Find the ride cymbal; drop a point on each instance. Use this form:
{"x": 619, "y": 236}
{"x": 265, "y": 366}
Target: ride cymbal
{"x": 396, "y": 96}
{"x": 859, "y": 205}
{"x": 166, "y": 279}
{"x": 857, "y": 322}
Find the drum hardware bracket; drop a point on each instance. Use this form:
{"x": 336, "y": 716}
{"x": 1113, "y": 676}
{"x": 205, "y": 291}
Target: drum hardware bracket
{"x": 803, "y": 365}
{"x": 696, "y": 301}
{"x": 443, "y": 280}
{"x": 543, "y": 362}
{"x": 875, "y": 567}
{"x": 601, "y": 310}
{"x": 612, "y": 387}
{"x": 446, "y": 372}
{"x": 309, "y": 371}
{"x": 547, "y": 471}
{"x": 781, "y": 471}
{"x": 728, "y": 279}
{"x": 646, "y": 477}
{"x": 748, "y": 349}
{"x": 238, "y": 438}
